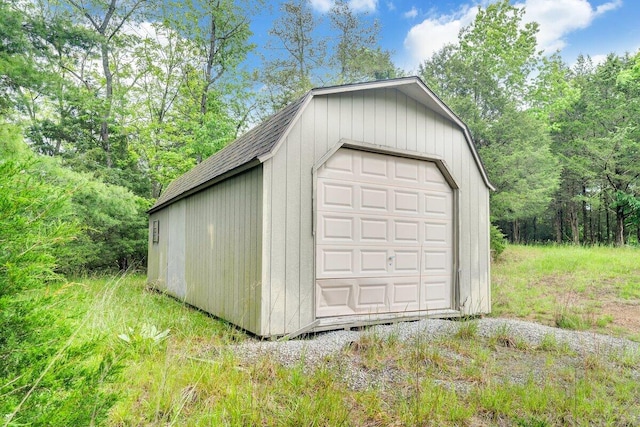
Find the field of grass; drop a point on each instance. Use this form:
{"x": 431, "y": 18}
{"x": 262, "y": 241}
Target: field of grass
{"x": 151, "y": 360}
{"x": 596, "y": 288}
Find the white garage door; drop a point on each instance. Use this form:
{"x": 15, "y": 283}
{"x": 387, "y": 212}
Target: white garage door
{"x": 384, "y": 235}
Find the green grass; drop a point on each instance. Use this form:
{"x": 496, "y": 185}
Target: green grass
{"x": 570, "y": 287}
{"x": 151, "y": 360}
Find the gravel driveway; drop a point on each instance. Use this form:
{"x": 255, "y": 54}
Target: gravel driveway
{"x": 316, "y": 348}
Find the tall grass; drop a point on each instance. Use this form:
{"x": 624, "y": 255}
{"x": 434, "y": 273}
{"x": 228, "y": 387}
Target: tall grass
{"x": 142, "y": 358}
{"x": 567, "y": 286}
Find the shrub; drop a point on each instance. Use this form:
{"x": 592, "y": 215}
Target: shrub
{"x": 497, "y": 242}
{"x": 35, "y": 218}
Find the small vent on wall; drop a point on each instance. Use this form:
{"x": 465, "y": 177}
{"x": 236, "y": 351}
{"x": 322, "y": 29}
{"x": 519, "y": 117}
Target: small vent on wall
{"x": 156, "y": 231}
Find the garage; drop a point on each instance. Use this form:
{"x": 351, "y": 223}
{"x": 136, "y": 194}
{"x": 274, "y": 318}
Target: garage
{"x": 354, "y": 205}
{"x": 384, "y": 241}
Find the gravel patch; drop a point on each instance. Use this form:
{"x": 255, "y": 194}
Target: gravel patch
{"x": 319, "y": 347}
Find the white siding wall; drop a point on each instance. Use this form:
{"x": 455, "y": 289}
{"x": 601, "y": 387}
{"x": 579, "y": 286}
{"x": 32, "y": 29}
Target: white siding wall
{"x": 224, "y": 249}
{"x": 157, "y": 252}
{"x": 384, "y": 117}
{"x": 213, "y": 242}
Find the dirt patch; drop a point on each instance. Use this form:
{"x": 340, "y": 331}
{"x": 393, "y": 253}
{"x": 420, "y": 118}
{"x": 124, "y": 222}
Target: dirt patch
{"x": 625, "y": 314}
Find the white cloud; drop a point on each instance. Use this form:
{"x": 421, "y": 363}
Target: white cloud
{"x": 557, "y": 18}
{"x": 391, "y": 6}
{"x": 321, "y": 5}
{"x": 598, "y": 59}
{"x": 363, "y": 5}
{"x": 411, "y": 13}
{"x": 429, "y": 36}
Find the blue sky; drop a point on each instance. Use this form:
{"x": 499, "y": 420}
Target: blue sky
{"x": 414, "y": 29}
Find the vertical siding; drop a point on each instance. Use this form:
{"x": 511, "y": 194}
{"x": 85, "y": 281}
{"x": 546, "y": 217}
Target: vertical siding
{"x": 306, "y": 252}
{"x": 157, "y": 252}
{"x": 223, "y": 249}
{"x": 384, "y": 117}
{"x": 176, "y": 250}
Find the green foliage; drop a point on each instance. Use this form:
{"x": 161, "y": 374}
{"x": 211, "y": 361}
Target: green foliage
{"x": 37, "y": 223}
{"x": 144, "y": 339}
{"x": 497, "y": 242}
{"x": 521, "y": 166}
{"x": 36, "y": 218}
{"x": 357, "y": 56}
{"x": 114, "y": 223}
{"x": 295, "y": 54}
{"x": 483, "y": 79}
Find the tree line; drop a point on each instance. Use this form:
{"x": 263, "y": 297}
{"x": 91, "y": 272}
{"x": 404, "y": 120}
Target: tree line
{"x": 111, "y": 100}
{"x": 561, "y": 143}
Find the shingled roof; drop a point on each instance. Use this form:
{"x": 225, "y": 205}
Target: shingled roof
{"x": 246, "y": 149}
{"x": 251, "y": 148}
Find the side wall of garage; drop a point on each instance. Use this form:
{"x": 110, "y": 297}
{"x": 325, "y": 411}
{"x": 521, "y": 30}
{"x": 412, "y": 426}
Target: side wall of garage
{"x": 224, "y": 249}
{"x": 208, "y": 252}
{"x": 384, "y": 117}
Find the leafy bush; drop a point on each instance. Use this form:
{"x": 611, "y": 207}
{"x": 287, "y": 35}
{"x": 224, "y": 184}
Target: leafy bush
{"x": 45, "y": 378}
{"x": 497, "y": 242}
{"x": 114, "y": 233}
{"x": 35, "y": 217}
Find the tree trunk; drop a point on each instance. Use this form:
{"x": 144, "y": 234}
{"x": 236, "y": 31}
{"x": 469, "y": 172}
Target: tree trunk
{"x": 608, "y": 221}
{"x": 573, "y": 222}
{"x": 619, "y": 226}
{"x": 104, "y": 126}
{"x": 584, "y": 215}
{"x": 558, "y": 226}
{"x": 516, "y": 231}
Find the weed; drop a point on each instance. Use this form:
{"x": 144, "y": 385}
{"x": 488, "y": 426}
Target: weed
{"x": 574, "y": 321}
{"x": 144, "y": 339}
{"x": 467, "y": 330}
{"x": 603, "y": 321}
{"x": 550, "y": 344}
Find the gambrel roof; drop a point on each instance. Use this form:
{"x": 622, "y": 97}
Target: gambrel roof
{"x": 260, "y": 143}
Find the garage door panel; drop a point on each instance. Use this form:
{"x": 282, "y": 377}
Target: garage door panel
{"x": 407, "y": 170}
{"x": 437, "y": 205}
{"x": 406, "y": 291}
{"x": 374, "y": 229}
{"x": 406, "y": 202}
{"x": 437, "y": 233}
{"x": 337, "y": 195}
{"x": 434, "y": 179}
{"x": 436, "y": 293}
{"x": 406, "y": 261}
{"x": 372, "y": 296}
{"x": 406, "y": 231}
{"x": 369, "y": 295}
{"x": 340, "y": 164}
{"x": 373, "y": 261}
{"x": 374, "y": 198}
{"x": 337, "y": 228}
{"x": 374, "y": 167}
{"x": 437, "y": 262}
{"x": 334, "y": 261}
{"x": 384, "y": 240}
{"x": 335, "y": 297}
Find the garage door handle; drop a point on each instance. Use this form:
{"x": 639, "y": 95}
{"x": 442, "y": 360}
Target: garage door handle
{"x": 391, "y": 259}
